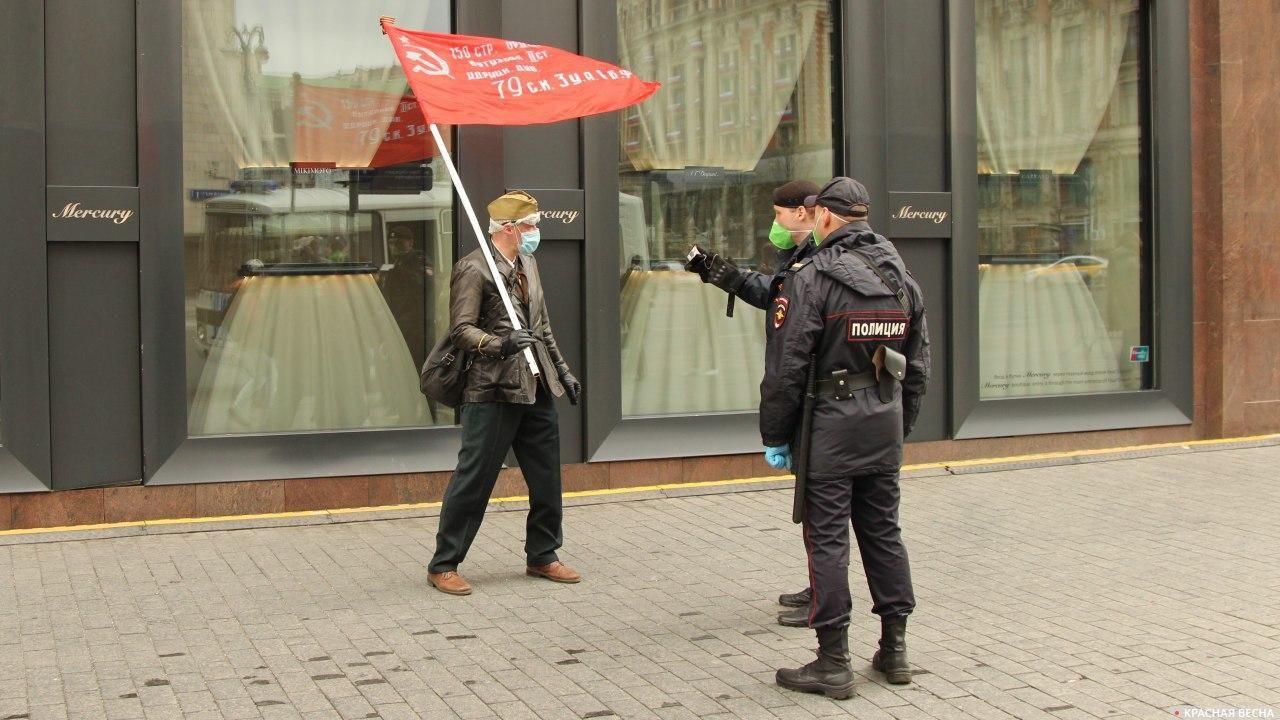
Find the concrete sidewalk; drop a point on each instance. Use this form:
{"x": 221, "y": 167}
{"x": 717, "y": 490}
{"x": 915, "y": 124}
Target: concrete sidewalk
{"x": 1130, "y": 588}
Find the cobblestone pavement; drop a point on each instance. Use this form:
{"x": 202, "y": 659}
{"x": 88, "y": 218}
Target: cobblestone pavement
{"x": 1117, "y": 589}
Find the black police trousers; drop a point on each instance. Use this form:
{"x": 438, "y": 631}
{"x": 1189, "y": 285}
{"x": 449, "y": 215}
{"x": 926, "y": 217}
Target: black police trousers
{"x": 870, "y": 502}
{"x": 488, "y": 431}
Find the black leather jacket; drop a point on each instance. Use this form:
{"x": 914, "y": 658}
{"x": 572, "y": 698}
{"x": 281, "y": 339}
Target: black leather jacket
{"x": 478, "y": 322}
{"x": 836, "y": 307}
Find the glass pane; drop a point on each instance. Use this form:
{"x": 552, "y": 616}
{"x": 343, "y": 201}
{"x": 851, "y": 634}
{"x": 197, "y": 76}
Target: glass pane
{"x": 746, "y": 106}
{"x": 1061, "y": 201}
{"x": 317, "y": 243}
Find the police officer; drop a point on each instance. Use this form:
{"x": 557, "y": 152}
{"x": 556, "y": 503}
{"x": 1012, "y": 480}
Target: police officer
{"x": 855, "y": 309}
{"x": 792, "y": 235}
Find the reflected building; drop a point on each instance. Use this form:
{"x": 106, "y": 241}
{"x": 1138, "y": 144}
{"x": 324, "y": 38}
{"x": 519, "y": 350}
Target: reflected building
{"x": 745, "y": 107}
{"x": 1060, "y": 208}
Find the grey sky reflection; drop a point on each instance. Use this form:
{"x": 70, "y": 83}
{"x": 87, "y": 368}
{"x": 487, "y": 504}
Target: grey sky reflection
{"x": 320, "y": 38}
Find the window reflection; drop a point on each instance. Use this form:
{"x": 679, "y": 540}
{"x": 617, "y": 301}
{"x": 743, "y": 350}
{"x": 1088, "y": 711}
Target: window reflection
{"x": 1060, "y": 197}
{"x": 313, "y": 222}
{"x": 746, "y": 106}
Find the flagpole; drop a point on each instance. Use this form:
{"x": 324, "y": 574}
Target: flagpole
{"x": 484, "y": 241}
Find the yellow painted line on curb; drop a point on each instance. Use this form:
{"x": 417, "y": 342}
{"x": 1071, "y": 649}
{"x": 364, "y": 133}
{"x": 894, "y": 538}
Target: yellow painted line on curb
{"x": 1011, "y": 459}
{"x": 230, "y": 518}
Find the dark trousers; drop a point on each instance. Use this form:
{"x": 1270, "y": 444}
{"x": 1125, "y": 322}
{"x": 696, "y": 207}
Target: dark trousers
{"x": 489, "y": 430}
{"x": 870, "y": 502}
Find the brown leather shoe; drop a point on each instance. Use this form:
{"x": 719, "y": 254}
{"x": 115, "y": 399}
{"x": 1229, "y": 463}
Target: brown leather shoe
{"x": 449, "y": 582}
{"x": 556, "y": 571}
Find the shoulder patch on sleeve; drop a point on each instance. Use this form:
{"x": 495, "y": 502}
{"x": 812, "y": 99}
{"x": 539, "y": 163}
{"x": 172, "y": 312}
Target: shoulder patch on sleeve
{"x": 780, "y": 311}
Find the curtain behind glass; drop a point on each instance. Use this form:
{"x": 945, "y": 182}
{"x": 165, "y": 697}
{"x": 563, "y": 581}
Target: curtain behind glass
{"x": 247, "y": 101}
{"x": 1045, "y": 77}
{"x": 745, "y": 107}
{"x": 1060, "y": 196}
{"x": 312, "y": 293}
{"x": 728, "y": 71}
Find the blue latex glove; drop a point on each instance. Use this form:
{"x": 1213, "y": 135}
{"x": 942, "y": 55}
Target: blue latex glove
{"x": 779, "y": 458}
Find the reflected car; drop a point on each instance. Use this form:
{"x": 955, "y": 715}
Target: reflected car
{"x": 1089, "y": 266}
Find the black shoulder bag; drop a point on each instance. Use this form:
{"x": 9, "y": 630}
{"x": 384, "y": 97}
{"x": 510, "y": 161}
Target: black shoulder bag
{"x": 444, "y": 374}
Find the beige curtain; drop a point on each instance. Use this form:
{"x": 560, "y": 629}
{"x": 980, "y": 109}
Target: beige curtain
{"x": 680, "y": 354}
{"x": 1042, "y": 334}
{"x": 1057, "y": 92}
{"x": 728, "y": 72}
{"x": 1046, "y": 73}
{"x": 1115, "y": 230}
{"x": 252, "y": 114}
{"x": 226, "y": 64}
{"x": 307, "y": 353}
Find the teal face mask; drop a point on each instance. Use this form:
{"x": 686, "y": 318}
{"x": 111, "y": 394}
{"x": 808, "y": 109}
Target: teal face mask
{"x": 781, "y": 237}
{"x": 529, "y": 241}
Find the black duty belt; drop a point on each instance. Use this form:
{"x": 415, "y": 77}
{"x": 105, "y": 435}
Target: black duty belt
{"x": 841, "y": 385}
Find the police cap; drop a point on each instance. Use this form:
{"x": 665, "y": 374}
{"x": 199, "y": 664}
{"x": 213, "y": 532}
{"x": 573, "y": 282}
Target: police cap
{"x": 843, "y": 196}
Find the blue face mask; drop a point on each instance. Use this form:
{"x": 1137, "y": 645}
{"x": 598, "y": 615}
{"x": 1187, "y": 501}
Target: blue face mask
{"x": 529, "y": 241}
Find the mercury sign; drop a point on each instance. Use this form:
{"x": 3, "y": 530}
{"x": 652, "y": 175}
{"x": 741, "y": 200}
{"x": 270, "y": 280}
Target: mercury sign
{"x": 919, "y": 215}
{"x": 119, "y": 216}
{"x": 562, "y": 214}
{"x": 91, "y": 214}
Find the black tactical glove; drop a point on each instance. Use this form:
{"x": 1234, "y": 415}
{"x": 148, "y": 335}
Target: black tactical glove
{"x": 571, "y": 386}
{"x": 516, "y": 341}
{"x": 724, "y": 274}
{"x": 698, "y": 265}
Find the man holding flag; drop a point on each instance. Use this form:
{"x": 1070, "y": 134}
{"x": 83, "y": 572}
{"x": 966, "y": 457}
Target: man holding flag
{"x": 504, "y": 405}
{"x": 497, "y": 309}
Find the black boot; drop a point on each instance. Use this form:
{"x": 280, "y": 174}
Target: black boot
{"x": 795, "y": 617}
{"x": 830, "y": 674}
{"x": 891, "y": 658}
{"x": 795, "y": 600}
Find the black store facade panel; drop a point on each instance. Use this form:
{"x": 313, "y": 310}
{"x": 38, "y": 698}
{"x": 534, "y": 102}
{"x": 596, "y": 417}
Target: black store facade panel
{"x": 209, "y": 292}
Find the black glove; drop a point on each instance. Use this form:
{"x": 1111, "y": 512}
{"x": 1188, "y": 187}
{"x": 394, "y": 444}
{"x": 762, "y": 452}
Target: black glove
{"x": 516, "y": 341}
{"x": 724, "y": 274}
{"x": 698, "y": 265}
{"x": 571, "y": 386}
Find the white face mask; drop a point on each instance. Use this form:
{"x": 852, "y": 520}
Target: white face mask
{"x": 818, "y": 233}
{"x": 821, "y": 236}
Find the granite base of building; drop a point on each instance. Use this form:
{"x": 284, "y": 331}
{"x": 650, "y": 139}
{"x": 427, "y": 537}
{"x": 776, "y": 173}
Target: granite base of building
{"x": 139, "y": 502}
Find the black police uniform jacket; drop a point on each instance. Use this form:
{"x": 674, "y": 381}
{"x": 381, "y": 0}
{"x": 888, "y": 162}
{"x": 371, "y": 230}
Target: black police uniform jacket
{"x": 759, "y": 289}
{"x": 834, "y": 306}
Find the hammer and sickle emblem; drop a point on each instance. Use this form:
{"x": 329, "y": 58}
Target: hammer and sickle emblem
{"x": 425, "y": 60}
{"x": 314, "y": 115}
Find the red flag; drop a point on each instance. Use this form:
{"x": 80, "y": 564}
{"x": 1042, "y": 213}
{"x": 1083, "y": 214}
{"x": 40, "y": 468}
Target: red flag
{"x": 355, "y": 128}
{"x": 465, "y": 79}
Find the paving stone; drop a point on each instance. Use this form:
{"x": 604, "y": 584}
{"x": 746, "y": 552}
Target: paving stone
{"x": 1093, "y": 590}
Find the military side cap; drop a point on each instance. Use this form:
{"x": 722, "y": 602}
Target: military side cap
{"x": 794, "y": 193}
{"x": 513, "y": 205}
{"x": 843, "y": 196}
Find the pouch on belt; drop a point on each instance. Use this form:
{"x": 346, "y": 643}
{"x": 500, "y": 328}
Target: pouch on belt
{"x": 891, "y": 367}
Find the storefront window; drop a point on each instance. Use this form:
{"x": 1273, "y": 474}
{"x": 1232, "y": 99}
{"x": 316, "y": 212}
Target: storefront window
{"x": 317, "y": 243}
{"x": 746, "y": 105}
{"x": 1061, "y": 201}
